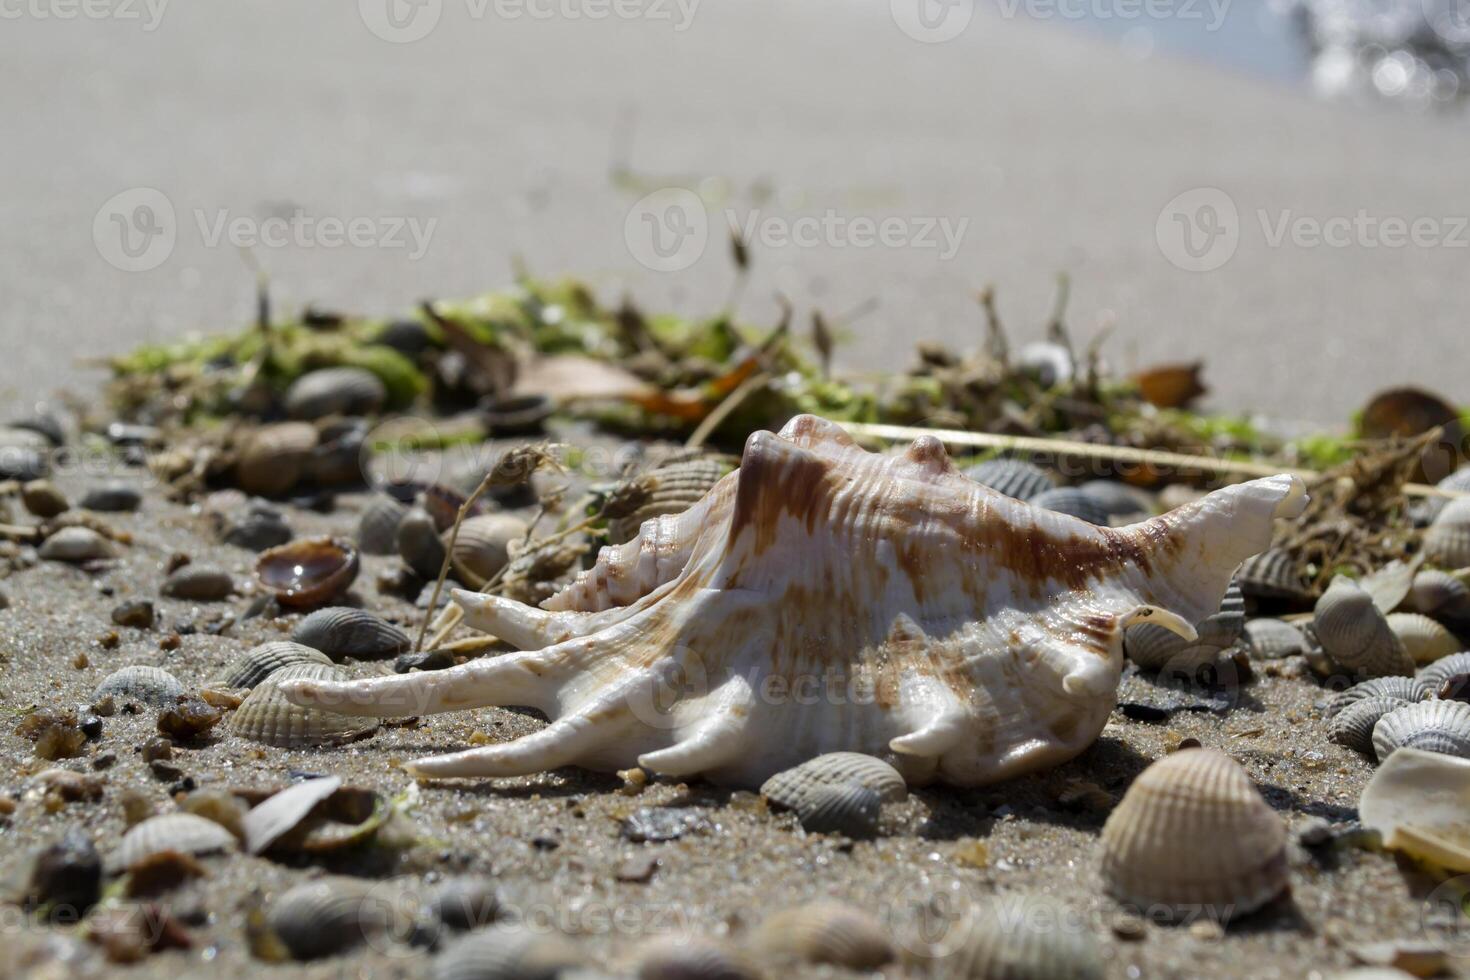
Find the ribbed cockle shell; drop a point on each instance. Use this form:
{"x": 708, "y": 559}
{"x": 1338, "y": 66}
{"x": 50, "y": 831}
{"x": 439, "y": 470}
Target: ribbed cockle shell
{"x": 823, "y": 598}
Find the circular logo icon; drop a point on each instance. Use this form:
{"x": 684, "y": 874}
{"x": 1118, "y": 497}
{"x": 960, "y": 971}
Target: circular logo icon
{"x": 1444, "y": 918}
{"x": 1198, "y": 231}
{"x": 932, "y": 916}
{"x": 402, "y": 450}
{"x": 667, "y": 230}
{"x": 135, "y": 230}
{"x": 932, "y": 21}
{"x": 1450, "y": 19}
{"x": 656, "y": 696}
{"x": 400, "y": 21}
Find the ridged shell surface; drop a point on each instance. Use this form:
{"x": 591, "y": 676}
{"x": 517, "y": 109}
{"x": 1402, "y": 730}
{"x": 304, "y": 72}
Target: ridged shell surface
{"x": 1447, "y": 541}
{"x": 1406, "y": 689}
{"x": 794, "y": 786}
{"x": 185, "y": 833}
{"x": 845, "y": 808}
{"x": 507, "y": 953}
{"x": 671, "y": 489}
{"x": 1273, "y": 639}
{"x": 1193, "y": 836}
{"x": 1154, "y": 647}
{"x": 1272, "y": 575}
{"x": 1071, "y": 500}
{"x": 265, "y": 716}
{"x": 1424, "y": 639}
{"x": 140, "y": 682}
{"x": 1029, "y": 937}
{"x": 323, "y": 918}
{"x": 1456, "y": 668}
{"x": 1013, "y": 477}
{"x": 695, "y": 958}
{"x": 377, "y": 529}
{"x": 1355, "y": 634}
{"x": 1118, "y": 499}
{"x": 1353, "y": 726}
{"x": 1432, "y": 726}
{"x": 345, "y": 631}
{"x": 258, "y": 663}
{"x": 827, "y": 932}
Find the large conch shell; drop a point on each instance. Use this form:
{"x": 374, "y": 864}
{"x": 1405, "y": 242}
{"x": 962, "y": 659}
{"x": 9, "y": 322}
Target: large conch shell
{"x": 822, "y": 598}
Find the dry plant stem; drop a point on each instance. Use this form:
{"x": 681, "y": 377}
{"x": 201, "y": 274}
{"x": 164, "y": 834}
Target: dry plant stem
{"x": 17, "y": 532}
{"x": 723, "y": 409}
{"x": 464, "y": 510}
{"x": 1121, "y": 454}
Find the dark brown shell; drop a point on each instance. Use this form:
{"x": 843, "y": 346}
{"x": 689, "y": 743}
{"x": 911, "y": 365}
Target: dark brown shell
{"x": 309, "y": 572}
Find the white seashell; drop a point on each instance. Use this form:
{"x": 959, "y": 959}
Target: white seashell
{"x": 1029, "y": 937}
{"x": 75, "y": 544}
{"x": 335, "y": 391}
{"x": 1273, "y": 639}
{"x": 792, "y": 787}
{"x": 280, "y": 813}
{"x": 267, "y": 658}
{"x": 377, "y": 529}
{"x": 139, "y": 682}
{"x": 345, "y": 631}
{"x": 507, "y": 953}
{"x": 678, "y": 958}
{"x": 1353, "y": 726}
{"x": 1012, "y": 477}
{"x": 1070, "y": 500}
{"x": 482, "y": 547}
{"x": 1449, "y": 677}
{"x": 1447, "y": 541}
{"x": 267, "y": 717}
{"x": 1424, "y": 639}
{"x": 1356, "y": 634}
{"x": 901, "y": 608}
{"x": 1434, "y": 726}
{"x": 1406, "y": 689}
{"x": 185, "y": 833}
{"x": 826, "y": 932}
{"x": 1417, "y": 801}
{"x": 1193, "y": 836}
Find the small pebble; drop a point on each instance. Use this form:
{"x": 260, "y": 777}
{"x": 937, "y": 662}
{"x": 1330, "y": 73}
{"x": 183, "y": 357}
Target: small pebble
{"x": 42, "y": 499}
{"x": 81, "y": 661}
{"x": 158, "y": 750}
{"x": 137, "y": 613}
{"x": 199, "y": 583}
{"x": 171, "y": 642}
{"x": 112, "y": 498}
{"x": 189, "y": 719}
{"x": 427, "y": 660}
{"x": 638, "y": 869}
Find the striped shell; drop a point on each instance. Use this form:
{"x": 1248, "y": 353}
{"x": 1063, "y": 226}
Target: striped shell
{"x": 139, "y": 682}
{"x": 265, "y": 716}
{"x": 323, "y": 918}
{"x": 1071, "y": 500}
{"x": 345, "y": 631}
{"x": 670, "y": 489}
{"x": 1447, "y": 541}
{"x": 1273, "y": 639}
{"x": 1353, "y": 726}
{"x": 827, "y": 932}
{"x": 1433, "y": 726}
{"x": 1407, "y": 689}
{"x": 1273, "y": 575}
{"x": 482, "y": 547}
{"x": 1428, "y": 508}
{"x": 1012, "y": 477}
{"x": 1441, "y": 595}
{"x": 1448, "y": 677}
{"x": 184, "y": 833}
{"x": 1028, "y": 937}
{"x": 845, "y": 808}
{"x": 1155, "y": 648}
{"x": 793, "y": 787}
{"x": 75, "y": 544}
{"x": 1355, "y": 634}
{"x": 335, "y": 391}
{"x": 693, "y": 958}
{"x": 273, "y": 457}
{"x": 1424, "y": 639}
{"x": 507, "y": 953}
{"x": 261, "y": 661}
{"x": 377, "y": 529}
{"x": 1193, "y": 836}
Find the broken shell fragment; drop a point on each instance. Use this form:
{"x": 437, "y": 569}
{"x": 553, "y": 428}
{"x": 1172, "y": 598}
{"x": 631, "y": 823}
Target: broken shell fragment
{"x": 1424, "y": 639}
{"x": 309, "y": 572}
{"x": 827, "y": 932}
{"x": 1356, "y": 634}
{"x": 185, "y": 833}
{"x": 260, "y": 662}
{"x": 794, "y": 787}
{"x": 150, "y": 685}
{"x": 1434, "y": 726}
{"x": 75, "y": 544}
{"x": 345, "y": 631}
{"x": 1418, "y": 802}
{"x": 335, "y": 391}
{"x": 268, "y": 718}
{"x": 1353, "y": 726}
{"x": 482, "y": 546}
{"x": 280, "y": 813}
{"x": 1193, "y": 836}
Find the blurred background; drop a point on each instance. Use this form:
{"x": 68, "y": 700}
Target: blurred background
{"x": 1277, "y": 190}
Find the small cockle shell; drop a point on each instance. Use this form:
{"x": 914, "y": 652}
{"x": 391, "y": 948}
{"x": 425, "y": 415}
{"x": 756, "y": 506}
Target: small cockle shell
{"x": 1155, "y": 648}
{"x": 75, "y": 544}
{"x": 377, "y": 529}
{"x": 1442, "y": 596}
{"x": 794, "y": 786}
{"x": 260, "y": 662}
{"x": 419, "y": 544}
{"x": 1447, "y": 541}
{"x": 345, "y": 631}
{"x": 1028, "y": 937}
{"x": 482, "y": 547}
{"x": 308, "y": 572}
{"x": 1434, "y": 726}
{"x": 1273, "y": 639}
{"x": 846, "y": 808}
{"x": 140, "y": 682}
{"x": 185, "y": 833}
{"x": 465, "y": 902}
{"x": 267, "y": 717}
{"x": 1448, "y": 677}
{"x": 1273, "y": 575}
{"x": 1071, "y": 500}
{"x": 1355, "y": 634}
{"x": 1118, "y": 499}
{"x": 273, "y": 457}
{"x": 1424, "y": 639}
{"x": 199, "y": 583}
{"x": 693, "y": 958}
{"x": 1013, "y": 477}
{"x": 1193, "y": 836}
{"x": 322, "y": 918}
{"x": 1353, "y": 726}
{"x": 827, "y": 932}
{"x": 963, "y": 635}
{"x": 1406, "y": 689}
{"x": 335, "y": 391}
{"x": 668, "y": 489}
{"x": 507, "y": 953}
{"x": 1418, "y": 802}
